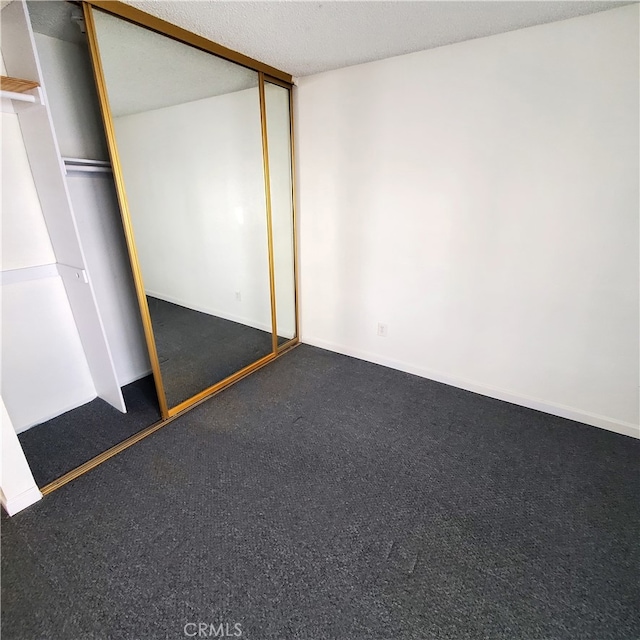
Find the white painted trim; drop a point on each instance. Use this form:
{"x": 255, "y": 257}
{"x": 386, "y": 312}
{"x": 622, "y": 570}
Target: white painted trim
{"x": 211, "y": 312}
{"x": 25, "y": 274}
{"x": 21, "y": 501}
{"x": 563, "y": 411}
{"x": 56, "y": 413}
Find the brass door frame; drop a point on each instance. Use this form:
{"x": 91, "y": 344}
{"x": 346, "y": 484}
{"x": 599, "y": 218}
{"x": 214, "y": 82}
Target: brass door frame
{"x": 143, "y": 19}
{"x": 267, "y": 195}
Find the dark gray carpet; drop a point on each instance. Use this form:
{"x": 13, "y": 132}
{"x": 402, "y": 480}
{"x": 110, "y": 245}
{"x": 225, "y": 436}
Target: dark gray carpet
{"x": 64, "y": 443}
{"x": 197, "y": 350}
{"x": 324, "y": 497}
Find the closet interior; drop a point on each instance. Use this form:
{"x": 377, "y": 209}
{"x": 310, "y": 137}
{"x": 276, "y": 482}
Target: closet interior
{"x": 148, "y": 226}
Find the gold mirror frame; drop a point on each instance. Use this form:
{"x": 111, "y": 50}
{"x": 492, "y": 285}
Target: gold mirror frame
{"x": 265, "y": 73}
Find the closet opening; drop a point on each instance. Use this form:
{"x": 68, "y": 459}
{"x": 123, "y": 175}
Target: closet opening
{"x": 63, "y": 443}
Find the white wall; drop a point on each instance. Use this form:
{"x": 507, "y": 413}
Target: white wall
{"x": 200, "y": 231}
{"x": 44, "y": 371}
{"x": 482, "y": 200}
{"x": 25, "y": 240}
{"x": 75, "y": 110}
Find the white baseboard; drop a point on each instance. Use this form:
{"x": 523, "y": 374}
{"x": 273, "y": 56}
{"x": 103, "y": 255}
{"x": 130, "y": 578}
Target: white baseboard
{"x": 562, "y": 411}
{"x": 23, "y": 500}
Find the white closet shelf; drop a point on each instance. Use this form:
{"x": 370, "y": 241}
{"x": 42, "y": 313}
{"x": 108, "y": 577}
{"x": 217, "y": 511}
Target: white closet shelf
{"x": 18, "y": 91}
{"x": 16, "y": 85}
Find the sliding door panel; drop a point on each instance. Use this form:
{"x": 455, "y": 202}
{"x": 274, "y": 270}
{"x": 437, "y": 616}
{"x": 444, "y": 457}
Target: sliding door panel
{"x": 278, "y": 119}
{"x": 184, "y": 128}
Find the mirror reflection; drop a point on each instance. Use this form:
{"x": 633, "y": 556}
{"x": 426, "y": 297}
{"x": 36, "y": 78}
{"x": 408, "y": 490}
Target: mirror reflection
{"x": 281, "y": 182}
{"x": 188, "y": 135}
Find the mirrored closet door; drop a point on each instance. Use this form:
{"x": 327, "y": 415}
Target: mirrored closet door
{"x": 201, "y": 150}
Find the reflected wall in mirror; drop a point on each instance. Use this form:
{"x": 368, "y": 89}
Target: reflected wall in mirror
{"x": 186, "y": 133}
{"x": 278, "y": 119}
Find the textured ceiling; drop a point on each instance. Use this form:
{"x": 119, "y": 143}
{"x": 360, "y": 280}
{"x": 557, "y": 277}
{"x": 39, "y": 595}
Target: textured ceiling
{"x": 300, "y": 38}
{"x": 144, "y": 70}
{"x": 54, "y": 19}
{"x": 309, "y": 37}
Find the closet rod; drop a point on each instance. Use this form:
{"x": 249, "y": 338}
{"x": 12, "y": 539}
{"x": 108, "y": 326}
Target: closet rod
{"x": 86, "y": 162}
{"x": 79, "y": 168}
{"x": 84, "y": 165}
{"x": 20, "y": 97}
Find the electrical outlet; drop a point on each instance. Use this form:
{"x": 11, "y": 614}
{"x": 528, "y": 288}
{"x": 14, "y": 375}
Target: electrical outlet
{"x": 383, "y": 329}
{"x": 238, "y": 296}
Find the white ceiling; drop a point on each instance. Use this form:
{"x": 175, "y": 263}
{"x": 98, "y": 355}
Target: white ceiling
{"x": 302, "y": 38}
